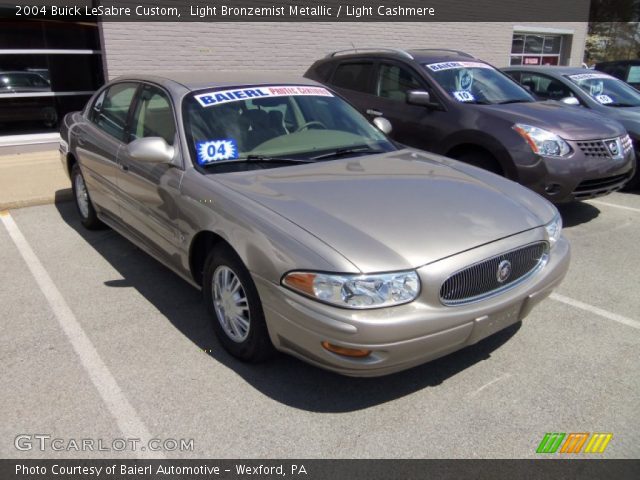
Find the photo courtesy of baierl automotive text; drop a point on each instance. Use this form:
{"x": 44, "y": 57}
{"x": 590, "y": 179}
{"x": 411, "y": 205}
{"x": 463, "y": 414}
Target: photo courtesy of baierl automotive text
{"x": 319, "y": 239}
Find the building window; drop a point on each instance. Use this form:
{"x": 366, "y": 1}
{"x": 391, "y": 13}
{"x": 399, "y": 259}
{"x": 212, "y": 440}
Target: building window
{"x": 536, "y": 49}
{"x": 47, "y": 69}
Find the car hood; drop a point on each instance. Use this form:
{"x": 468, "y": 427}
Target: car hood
{"x": 629, "y": 117}
{"x": 569, "y": 123}
{"x": 396, "y": 210}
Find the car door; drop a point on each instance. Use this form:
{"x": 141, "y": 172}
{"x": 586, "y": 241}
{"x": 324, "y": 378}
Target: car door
{"x": 413, "y": 125}
{"x": 149, "y": 189}
{"x": 97, "y": 143}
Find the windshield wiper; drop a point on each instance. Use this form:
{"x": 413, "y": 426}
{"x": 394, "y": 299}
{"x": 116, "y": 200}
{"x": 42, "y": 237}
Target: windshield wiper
{"x": 266, "y": 158}
{"x": 478, "y": 102}
{"x": 339, "y": 152}
{"x": 514, "y": 100}
{"x": 260, "y": 159}
{"x": 614, "y": 104}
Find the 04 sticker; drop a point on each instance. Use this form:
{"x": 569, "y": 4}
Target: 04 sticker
{"x": 212, "y": 151}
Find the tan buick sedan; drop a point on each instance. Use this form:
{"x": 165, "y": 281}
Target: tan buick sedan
{"x": 307, "y": 229}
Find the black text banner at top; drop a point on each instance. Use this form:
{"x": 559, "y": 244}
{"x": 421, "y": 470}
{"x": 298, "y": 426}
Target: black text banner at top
{"x": 322, "y": 10}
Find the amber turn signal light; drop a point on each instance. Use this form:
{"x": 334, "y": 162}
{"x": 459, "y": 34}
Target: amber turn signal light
{"x": 347, "y": 352}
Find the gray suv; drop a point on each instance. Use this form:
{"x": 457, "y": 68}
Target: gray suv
{"x": 451, "y": 103}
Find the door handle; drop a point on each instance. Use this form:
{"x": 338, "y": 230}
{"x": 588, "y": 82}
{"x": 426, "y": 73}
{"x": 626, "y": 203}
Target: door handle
{"x": 124, "y": 167}
{"x": 81, "y": 141}
{"x": 375, "y": 113}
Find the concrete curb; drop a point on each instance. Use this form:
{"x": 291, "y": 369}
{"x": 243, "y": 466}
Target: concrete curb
{"x": 65, "y": 195}
{"x": 32, "y": 178}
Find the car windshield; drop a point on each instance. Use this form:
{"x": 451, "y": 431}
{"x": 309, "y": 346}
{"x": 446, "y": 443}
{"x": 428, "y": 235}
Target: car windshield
{"x": 607, "y": 90}
{"x": 477, "y": 82}
{"x": 277, "y": 123}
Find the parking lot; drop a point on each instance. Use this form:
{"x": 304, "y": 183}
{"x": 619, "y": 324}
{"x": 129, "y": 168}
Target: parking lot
{"x": 103, "y": 343}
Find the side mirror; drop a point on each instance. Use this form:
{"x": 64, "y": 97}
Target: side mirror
{"x": 383, "y": 125}
{"x": 151, "y": 150}
{"x": 570, "y": 101}
{"x": 419, "y": 97}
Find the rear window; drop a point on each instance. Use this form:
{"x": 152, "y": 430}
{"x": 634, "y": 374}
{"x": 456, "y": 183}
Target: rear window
{"x": 323, "y": 71}
{"x": 353, "y": 76}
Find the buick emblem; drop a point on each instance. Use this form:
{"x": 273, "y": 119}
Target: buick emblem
{"x": 504, "y": 271}
{"x": 613, "y": 147}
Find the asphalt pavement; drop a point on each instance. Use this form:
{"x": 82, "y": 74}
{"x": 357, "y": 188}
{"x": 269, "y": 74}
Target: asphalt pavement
{"x": 101, "y": 342}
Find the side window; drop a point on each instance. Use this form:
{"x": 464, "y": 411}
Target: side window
{"x": 537, "y": 84}
{"x": 514, "y": 75}
{"x": 353, "y": 76}
{"x": 545, "y": 87}
{"x": 153, "y": 116}
{"x": 616, "y": 70}
{"x": 394, "y": 82}
{"x": 111, "y": 108}
{"x": 96, "y": 108}
{"x": 633, "y": 76}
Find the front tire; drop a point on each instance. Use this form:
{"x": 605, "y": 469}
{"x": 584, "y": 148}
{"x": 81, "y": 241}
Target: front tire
{"x": 235, "y": 308}
{"x": 88, "y": 216}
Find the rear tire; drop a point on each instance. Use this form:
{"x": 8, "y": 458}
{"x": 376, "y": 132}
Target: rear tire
{"x": 235, "y": 308}
{"x": 482, "y": 160}
{"x": 88, "y": 216}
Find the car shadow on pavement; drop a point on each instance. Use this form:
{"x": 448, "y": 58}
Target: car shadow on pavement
{"x": 284, "y": 379}
{"x": 576, "y": 213}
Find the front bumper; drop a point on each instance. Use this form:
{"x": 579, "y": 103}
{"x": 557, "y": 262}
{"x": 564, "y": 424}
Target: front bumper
{"x": 577, "y": 177}
{"x": 407, "y": 335}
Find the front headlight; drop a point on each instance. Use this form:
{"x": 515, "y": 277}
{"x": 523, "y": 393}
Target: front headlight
{"x": 543, "y": 142}
{"x": 554, "y": 229}
{"x": 355, "y": 290}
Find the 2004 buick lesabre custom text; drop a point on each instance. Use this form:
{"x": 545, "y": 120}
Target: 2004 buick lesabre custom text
{"x": 307, "y": 229}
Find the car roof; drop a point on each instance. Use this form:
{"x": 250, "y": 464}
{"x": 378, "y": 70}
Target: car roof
{"x": 203, "y": 80}
{"x": 549, "y": 69}
{"x": 433, "y": 55}
{"x": 419, "y": 55}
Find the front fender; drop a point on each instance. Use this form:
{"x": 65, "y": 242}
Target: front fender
{"x": 474, "y": 138}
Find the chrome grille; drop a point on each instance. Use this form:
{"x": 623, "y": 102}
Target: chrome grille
{"x": 594, "y": 148}
{"x": 598, "y": 148}
{"x": 480, "y": 280}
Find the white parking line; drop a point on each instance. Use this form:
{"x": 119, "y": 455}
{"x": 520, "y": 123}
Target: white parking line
{"x": 598, "y": 311}
{"x": 623, "y": 207}
{"x": 122, "y": 411}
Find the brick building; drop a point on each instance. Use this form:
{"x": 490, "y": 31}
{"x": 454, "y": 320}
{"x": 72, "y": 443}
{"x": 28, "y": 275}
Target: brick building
{"x": 59, "y": 64}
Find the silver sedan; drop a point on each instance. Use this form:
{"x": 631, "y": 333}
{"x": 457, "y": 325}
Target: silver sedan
{"x": 307, "y": 229}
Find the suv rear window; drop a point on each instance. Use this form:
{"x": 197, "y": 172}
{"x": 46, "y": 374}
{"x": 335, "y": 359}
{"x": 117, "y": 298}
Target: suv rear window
{"x": 353, "y": 76}
{"x": 323, "y": 71}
